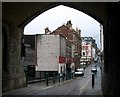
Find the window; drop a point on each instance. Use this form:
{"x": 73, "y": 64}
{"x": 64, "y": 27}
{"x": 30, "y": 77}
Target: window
{"x": 83, "y": 53}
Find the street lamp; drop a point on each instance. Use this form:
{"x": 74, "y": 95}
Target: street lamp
{"x": 86, "y": 60}
{"x": 86, "y": 54}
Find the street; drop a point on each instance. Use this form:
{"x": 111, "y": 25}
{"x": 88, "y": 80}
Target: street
{"x": 76, "y": 86}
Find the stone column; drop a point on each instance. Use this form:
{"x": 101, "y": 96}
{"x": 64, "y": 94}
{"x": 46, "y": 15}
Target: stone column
{"x": 14, "y": 77}
{"x": 111, "y": 71}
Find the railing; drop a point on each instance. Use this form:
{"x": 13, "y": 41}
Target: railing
{"x": 55, "y": 79}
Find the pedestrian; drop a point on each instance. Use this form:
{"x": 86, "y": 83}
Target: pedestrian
{"x": 84, "y": 67}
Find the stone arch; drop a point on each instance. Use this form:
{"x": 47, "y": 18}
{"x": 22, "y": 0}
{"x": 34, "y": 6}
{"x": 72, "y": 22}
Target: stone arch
{"x": 79, "y": 7}
{"x": 17, "y": 15}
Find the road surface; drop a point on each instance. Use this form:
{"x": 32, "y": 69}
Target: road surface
{"x": 76, "y": 86}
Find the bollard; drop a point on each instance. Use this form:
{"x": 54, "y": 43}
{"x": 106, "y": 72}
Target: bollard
{"x": 93, "y": 80}
{"x": 71, "y": 75}
{"x": 53, "y": 78}
{"x": 26, "y": 81}
{"x": 46, "y": 79}
{"x": 63, "y": 76}
{"x": 66, "y": 76}
{"x": 59, "y": 77}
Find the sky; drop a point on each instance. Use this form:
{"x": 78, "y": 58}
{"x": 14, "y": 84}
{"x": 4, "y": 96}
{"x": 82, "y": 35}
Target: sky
{"x": 57, "y": 16}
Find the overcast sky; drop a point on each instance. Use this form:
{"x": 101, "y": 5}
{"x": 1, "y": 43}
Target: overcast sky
{"x": 58, "y": 16}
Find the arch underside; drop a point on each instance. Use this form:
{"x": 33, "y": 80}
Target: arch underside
{"x": 24, "y": 12}
{"x": 16, "y": 15}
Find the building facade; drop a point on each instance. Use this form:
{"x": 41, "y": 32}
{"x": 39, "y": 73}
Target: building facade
{"x": 29, "y": 58}
{"x": 89, "y": 50}
{"x": 54, "y": 55}
{"x": 74, "y": 36}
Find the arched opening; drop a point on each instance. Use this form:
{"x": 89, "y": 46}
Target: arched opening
{"x": 106, "y": 14}
{"x": 39, "y": 74}
{"x": 83, "y": 7}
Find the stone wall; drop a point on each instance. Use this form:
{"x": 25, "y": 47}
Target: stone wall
{"x": 111, "y": 72}
{"x": 14, "y": 76}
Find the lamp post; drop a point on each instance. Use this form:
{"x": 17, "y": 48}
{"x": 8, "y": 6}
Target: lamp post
{"x": 86, "y": 60}
{"x": 86, "y": 54}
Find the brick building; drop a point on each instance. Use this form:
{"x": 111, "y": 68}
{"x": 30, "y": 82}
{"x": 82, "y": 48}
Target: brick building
{"x": 74, "y": 36}
{"x": 54, "y": 55}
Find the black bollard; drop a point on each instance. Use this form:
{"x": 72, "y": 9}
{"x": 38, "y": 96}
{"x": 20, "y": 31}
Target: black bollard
{"x": 46, "y": 79}
{"x": 71, "y": 75}
{"x": 53, "y": 78}
{"x": 26, "y": 81}
{"x": 93, "y": 80}
{"x": 63, "y": 76}
{"x": 59, "y": 77}
{"x": 66, "y": 76}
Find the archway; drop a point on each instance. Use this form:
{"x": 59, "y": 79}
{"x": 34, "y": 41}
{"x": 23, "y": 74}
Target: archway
{"x": 16, "y": 17}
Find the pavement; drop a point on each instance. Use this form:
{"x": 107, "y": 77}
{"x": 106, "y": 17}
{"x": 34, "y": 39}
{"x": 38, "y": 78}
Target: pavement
{"x": 87, "y": 90}
{"x": 96, "y": 90}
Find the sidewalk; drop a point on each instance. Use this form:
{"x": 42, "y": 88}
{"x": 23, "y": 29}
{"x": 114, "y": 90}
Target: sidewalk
{"x": 96, "y": 90}
{"x": 31, "y": 89}
{"x": 87, "y": 90}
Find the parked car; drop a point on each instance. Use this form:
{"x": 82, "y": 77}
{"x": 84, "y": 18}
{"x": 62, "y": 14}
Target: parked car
{"x": 83, "y": 63}
{"x": 79, "y": 72}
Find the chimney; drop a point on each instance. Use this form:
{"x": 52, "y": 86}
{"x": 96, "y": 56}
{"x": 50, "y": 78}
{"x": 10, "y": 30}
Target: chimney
{"x": 69, "y": 24}
{"x": 78, "y": 31}
{"x": 47, "y": 31}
